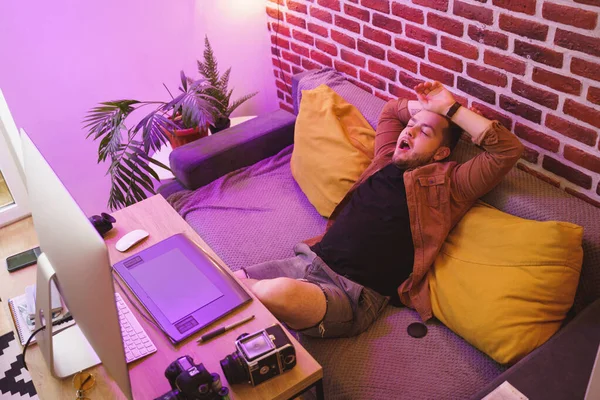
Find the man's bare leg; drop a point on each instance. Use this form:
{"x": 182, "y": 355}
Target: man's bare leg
{"x": 299, "y": 304}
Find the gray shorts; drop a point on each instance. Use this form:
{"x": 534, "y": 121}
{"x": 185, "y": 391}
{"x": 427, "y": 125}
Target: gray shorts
{"x": 351, "y": 307}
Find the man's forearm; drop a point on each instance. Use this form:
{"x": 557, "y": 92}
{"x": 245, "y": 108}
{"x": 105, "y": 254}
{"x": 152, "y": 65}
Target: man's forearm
{"x": 471, "y": 122}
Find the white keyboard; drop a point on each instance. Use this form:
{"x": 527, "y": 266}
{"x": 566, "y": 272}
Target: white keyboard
{"x": 136, "y": 342}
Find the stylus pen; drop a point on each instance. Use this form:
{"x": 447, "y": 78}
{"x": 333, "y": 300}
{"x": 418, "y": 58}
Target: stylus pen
{"x": 217, "y": 332}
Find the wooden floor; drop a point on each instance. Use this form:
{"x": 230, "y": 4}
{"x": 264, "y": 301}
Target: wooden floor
{"x": 5, "y": 196}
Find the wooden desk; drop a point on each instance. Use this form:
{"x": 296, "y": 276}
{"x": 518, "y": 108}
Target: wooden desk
{"x": 158, "y": 218}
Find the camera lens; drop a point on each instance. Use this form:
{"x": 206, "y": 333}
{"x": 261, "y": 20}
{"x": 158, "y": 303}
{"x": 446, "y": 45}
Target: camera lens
{"x": 234, "y": 369}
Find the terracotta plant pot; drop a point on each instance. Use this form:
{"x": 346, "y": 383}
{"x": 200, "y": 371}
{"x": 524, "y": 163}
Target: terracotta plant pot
{"x": 179, "y": 137}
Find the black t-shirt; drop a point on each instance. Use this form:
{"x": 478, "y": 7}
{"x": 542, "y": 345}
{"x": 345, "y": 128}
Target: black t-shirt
{"x": 370, "y": 241}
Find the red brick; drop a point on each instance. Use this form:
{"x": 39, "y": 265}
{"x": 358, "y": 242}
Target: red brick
{"x": 539, "y": 54}
{"x": 372, "y": 80}
{"x": 379, "y": 5}
{"x": 321, "y": 58}
{"x": 318, "y": 29}
{"x": 598, "y": 192}
{"x": 377, "y": 36}
{"x": 321, "y": 14}
{"x": 359, "y": 13}
{"x": 361, "y": 85}
{"x": 308, "y": 64}
{"x": 331, "y": 4}
{"x": 277, "y": 63}
{"x": 539, "y": 175}
{"x": 288, "y": 99}
{"x": 383, "y": 70}
{"x": 534, "y": 94}
{"x": 293, "y": 20}
{"x": 280, "y": 42}
{"x": 286, "y": 78}
{"x": 530, "y": 155}
{"x": 409, "y": 13}
{"x": 352, "y": 58}
{"x": 326, "y": 47}
{"x": 582, "y": 158}
{"x": 344, "y": 39}
{"x": 570, "y": 15}
{"x": 274, "y": 13}
{"x": 421, "y": 34}
{"x": 280, "y": 2}
{"x": 281, "y": 29}
{"x": 445, "y": 77}
{"x": 371, "y": 49}
{"x": 347, "y": 24}
{"x": 392, "y": 25}
{"x": 589, "y": 2}
{"x": 460, "y": 48}
{"x": 487, "y": 75}
{"x": 473, "y": 12}
{"x": 408, "y": 80}
{"x": 522, "y": 6}
{"x": 569, "y": 129}
{"x": 571, "y": 174}
{"x": 556, "y": 81}
{"x": 303, "y": 51}
{"x": 401, "y": 93}
{"x": 504, "y": 62}
{"x": 583, "y": 113}
{"x": 523, "y": 27}
{"x": 593, "y": 95}
{"x": 303, "y": 37}
{"x": 489, "y": 38}
{"x": 516, "y": 107}
{"x": 286, "y": 107}
{"x": 577, "y": 41}
{"x": 383, "y": 96}
{"x": 492, "y": 114}
{"x": 538, "y": 138}
{"x": 293, "y": 58}
{"x": 282, "y": 86}
{"x": 296, "y": 70}
{"x": 345, "y": 68}
{"x": 409, "y": 47}
{"x": 582, "y": 196}
{"x": 297, "y": 6}
{"x": 447, "y": 25}
{"x": 280, "y": 95}
{"x": 275, "y": 51}
{"x": 585, "y": 68}
{"x": 401, "y": 61}
{"x": 475, "y": 89}
{"x": 440, "y": 5}
{"x": 445, "y": 60}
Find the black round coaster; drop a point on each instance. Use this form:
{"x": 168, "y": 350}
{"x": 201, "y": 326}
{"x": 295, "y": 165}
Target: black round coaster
{"x": 417, "y": 330}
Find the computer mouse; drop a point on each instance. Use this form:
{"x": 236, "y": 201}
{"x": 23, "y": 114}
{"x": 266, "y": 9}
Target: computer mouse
{"x": 130, "y": 239}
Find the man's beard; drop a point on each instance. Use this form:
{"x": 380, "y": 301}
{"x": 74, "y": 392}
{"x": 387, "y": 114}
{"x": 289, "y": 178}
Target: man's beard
{"x": 414, "y": 162}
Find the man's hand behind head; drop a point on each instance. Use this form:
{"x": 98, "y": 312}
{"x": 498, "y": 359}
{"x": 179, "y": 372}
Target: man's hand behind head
{"x": 434, "y": 97}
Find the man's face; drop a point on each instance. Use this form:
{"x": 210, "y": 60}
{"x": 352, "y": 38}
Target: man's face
{"x": 420, "y": 142}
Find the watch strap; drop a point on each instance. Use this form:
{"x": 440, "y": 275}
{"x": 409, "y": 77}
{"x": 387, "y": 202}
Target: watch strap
{"x": 453, "y": 109}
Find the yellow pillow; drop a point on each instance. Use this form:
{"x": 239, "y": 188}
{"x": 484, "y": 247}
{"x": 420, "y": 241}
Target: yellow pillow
{"x": 333, "y": 145}
{"x": 505, "y": 283}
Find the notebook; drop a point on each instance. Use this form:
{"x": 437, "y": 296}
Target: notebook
{"x": 18, "y": 311}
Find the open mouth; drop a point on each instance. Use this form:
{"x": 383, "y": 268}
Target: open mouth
{"x": 404, "y": 145}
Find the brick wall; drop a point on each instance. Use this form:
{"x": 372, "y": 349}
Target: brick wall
{"x": 534, "y": 65}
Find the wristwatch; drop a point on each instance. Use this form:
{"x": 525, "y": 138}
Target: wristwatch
{"x": 453, "y": 109}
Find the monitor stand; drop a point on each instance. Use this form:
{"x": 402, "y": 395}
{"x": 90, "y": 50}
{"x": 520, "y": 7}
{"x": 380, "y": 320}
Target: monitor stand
{"x": 68, "y": 351}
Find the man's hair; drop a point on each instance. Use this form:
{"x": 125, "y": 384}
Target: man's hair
{"x": 451, "y": 134}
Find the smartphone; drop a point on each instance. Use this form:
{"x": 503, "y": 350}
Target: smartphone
{"x": 22, "y": 260}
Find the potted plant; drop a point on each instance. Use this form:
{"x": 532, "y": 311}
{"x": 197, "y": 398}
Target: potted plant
{"x": 184, "y": 118}
{"x": 218, "y": 90}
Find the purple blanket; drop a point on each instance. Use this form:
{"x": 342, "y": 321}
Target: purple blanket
{"x": 251, "y": 215}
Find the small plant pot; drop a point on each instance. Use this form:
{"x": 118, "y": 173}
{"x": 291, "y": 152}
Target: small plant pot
{"x": 220, "y": 124}
{"x": 179, "y": 137}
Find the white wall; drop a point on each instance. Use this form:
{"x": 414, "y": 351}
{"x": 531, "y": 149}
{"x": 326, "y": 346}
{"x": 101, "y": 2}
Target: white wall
{"x": 60, "y": 58}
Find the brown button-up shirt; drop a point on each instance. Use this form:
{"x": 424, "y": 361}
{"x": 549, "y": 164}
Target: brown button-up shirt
{"x": 438, "y": 194}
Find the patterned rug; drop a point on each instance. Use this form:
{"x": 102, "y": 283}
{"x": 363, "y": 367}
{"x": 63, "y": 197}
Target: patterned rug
{"x": 15, "y": 381}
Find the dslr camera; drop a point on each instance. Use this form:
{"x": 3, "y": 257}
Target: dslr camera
{"x": 191, "y": 381}
{"x": 259, "y": 357}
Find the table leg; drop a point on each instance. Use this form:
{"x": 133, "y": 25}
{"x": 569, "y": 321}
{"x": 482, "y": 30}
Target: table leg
{"x": 319, "y": 388}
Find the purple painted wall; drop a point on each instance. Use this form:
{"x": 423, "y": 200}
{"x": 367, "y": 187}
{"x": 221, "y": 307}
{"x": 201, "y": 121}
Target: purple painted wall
{"x": 60, "y": 58}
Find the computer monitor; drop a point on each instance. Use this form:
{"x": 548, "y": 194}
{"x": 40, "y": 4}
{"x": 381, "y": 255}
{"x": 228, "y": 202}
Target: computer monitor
{"x": 76, "y": 257}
